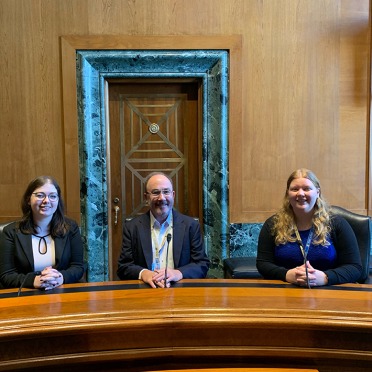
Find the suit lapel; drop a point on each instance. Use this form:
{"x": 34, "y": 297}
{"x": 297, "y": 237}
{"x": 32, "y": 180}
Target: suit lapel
{"x": 178, "y": 234}
{"x": 145, "y": 237}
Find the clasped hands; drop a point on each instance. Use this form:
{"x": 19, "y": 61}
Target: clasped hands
{"x": 297, "y": 276}
{"x": 50, "y": 278}
{"x": 156, "y": 278}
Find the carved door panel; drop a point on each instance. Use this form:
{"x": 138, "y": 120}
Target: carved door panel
{"x": 154, "y": 125}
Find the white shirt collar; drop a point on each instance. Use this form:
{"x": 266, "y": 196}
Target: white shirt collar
{"x": 155, "y": 223}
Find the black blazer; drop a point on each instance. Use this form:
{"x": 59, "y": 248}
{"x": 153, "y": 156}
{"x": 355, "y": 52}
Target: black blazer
{"x": 17, "y": 260}
{"x": 188, "y": 248}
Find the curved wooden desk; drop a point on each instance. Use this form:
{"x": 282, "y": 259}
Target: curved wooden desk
{"x": 195, "y": 324}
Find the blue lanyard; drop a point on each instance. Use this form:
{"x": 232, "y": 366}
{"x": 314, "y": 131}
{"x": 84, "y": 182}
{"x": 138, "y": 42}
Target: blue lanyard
{"x": 305, "y": 250}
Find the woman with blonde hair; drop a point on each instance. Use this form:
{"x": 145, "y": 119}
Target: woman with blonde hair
{"x": 303, "y": 243}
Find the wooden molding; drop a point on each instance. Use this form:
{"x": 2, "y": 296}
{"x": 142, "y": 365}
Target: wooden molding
{"x": 69, "y": 46}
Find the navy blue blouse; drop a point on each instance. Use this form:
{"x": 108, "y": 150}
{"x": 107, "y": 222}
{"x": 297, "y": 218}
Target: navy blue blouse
{"x": 340, "y": 260}
{"x": 322, "y": 257}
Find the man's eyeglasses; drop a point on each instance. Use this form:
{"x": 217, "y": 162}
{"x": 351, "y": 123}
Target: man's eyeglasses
{"x": 42, "y": 196}
{"x": 157, "y": 192}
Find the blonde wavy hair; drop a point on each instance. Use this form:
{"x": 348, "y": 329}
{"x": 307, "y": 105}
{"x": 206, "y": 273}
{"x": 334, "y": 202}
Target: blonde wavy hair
{"x": 284, "y": 220}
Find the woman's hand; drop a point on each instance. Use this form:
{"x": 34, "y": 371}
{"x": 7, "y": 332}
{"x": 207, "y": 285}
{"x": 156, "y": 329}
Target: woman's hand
{"x": 50, "y": 278}
{"x": 317, "y": 277}
{"x": 298, "y": 276}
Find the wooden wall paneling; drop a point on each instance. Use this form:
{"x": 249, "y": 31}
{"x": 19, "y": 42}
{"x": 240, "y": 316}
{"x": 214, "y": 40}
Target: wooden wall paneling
{"x": 304, "y": 91}
{"x": 295, "y": 111}
{"x": 353, "y": 106}
{"x": 72, "y": 174}
{"x": 30, "y": 110}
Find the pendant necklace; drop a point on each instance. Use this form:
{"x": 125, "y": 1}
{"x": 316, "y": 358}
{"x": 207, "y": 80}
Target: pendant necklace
{"x": 42, "y": 239}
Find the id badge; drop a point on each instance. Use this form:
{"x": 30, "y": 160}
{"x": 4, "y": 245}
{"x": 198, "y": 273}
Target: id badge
{"x": 155, "y": 265}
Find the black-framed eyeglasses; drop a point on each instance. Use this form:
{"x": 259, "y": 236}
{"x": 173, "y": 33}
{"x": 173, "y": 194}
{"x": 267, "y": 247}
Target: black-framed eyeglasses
{"x": 41, "y": 196}
{"x": 157, "y": 192}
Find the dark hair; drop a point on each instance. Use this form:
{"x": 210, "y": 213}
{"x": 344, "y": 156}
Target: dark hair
{"x": 58, "y": 224}
{"x": 156, "y": 174}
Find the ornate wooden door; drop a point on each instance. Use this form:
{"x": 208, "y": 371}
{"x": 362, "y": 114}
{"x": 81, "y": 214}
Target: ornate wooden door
{"x": 154, "y": 125}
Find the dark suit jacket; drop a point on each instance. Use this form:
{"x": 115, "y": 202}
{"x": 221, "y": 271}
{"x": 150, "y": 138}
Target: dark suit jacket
{"x": 188, "y": 248}
{"x": 17, "y": 260}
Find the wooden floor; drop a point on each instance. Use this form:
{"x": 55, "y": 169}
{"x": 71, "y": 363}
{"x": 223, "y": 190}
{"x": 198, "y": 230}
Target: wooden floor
{"x": 208, "y": 324}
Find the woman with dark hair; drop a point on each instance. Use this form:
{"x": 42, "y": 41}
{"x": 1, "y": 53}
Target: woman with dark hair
{"x": 44, "y": 249}
{"x": 303, "y": 243}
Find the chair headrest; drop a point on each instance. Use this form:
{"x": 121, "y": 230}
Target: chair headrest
{"x": 3, "y": 224}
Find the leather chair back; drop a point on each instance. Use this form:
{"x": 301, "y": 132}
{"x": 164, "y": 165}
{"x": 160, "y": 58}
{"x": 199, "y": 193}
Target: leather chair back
{"x": 2, "y": 225}
{"x": 362, "y": 229}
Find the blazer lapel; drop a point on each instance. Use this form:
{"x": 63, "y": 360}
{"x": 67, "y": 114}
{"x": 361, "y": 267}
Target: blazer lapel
{"x": 26, "y": 244}
{"x": 59, "y": 246}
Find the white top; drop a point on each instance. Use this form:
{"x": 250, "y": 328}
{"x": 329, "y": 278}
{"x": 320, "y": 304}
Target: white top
{"x": 43, "y": 244}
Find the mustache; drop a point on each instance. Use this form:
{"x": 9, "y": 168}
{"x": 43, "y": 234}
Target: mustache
{"x": 162, "y": 203}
